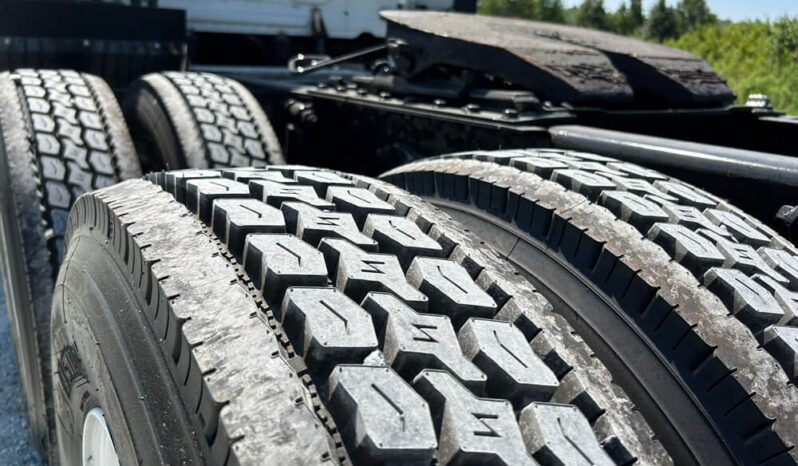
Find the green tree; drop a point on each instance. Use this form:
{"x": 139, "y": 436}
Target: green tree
{"x": 783, "y": 43}
{"x": 636, "y": 14}
{"x": 752, "y": 56}
{"x": 591, "y": 14}
{"x": 552, "y": 11}
{"x": 628, "y": 19}
{"x": 543, "y": 10}
{"x": 662, "y": 22}
{"x": 621, "y": 20}
{"x": 512, "y": 8}
{"x": 694, "y": 13}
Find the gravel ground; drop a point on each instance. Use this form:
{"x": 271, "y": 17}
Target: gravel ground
{"x": 15, "y": 444}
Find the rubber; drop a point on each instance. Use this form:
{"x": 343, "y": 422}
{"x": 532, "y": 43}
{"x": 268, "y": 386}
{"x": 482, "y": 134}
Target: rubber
{"x": 688, "y": 300}
{"x": 401, "y": 334}
{"x": 61, "y": 134}
{"x": 198, "y": 120}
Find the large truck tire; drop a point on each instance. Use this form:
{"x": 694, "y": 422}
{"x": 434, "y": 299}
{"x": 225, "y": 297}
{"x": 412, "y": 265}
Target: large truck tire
{"x": 690, "y": 302}
{"x": 198, "y": 120}
{"x": 296, "y": 315}
{"x": 61, "y": 134}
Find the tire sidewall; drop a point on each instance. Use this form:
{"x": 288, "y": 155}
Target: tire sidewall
{"x": 96, "y": 329}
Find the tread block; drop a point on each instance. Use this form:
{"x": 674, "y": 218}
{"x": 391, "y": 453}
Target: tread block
{"x": 450, "y": 289}
{"x": 631, "y": 208}
{"x": 375, "y": 358}
{"x": 519, "y": 313}
{"x": 200, "y": 194}
{"x": 359, "y": 202}
{"x": 560, "y": 435}
{"x": 247, "y": 174}
{"x": 782, "y": 262}
{"x": 782, "y": 343}
{"x": 594, "y": 167}
{"x": 573, "y": 391}
{"x": 540, "y": 166}
{"x": 744, "y": 257}
{"x": 402, "y": 237}
{"x": 275, "y": 263}
{"x": 234, "y": 219}
{"x": 274, "y": 194}
{"x": 640, "y": 187}
{"x": 502, "y": 352}
{"x": 313, "y": 225}
{"x": 685, "y": 194}
{"x": 58, "y": 195}
{"x": 555, "y": 154}
{"x": 788, "y": 300}
{"x": 358, "y": 272}
{"x": 746, "y": 299}
{"x": 320, "y": 180}
{"x": 586, "y": 183}
{"x": 740, "y": 230}
{"x": 290, "y": 169}
{"x": 637, "y": 171}
{"x": 412, "y": 341}
{"x": 327, "y": 327}
{"x": 176, "y": 181}
{"x": 471, "y": 430}
{"x": 589, "y": 156}
{"x": 500, "y": 157}
{"x": 692, "y": 218}
{"x": 687, "y": 247}
{"x": 52, "y": 167}
{"x": 381, "y": 418}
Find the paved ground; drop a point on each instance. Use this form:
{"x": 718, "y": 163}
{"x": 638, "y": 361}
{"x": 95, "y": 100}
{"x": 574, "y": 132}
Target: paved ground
{"x": 15, "y": 445}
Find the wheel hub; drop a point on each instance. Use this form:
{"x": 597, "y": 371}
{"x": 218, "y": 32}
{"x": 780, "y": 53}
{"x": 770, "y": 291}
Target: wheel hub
{"x": 98, "y": 447}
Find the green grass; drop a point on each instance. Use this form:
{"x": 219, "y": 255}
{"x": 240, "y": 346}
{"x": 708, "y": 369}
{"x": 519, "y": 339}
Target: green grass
{"x": 753, "y": 57}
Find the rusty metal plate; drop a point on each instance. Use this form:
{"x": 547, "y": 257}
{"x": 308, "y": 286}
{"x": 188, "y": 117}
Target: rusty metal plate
{"x": 560, "y": 63}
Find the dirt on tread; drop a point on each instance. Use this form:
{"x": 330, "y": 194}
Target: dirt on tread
{"x": 63, "y": 134}
{"x": 368, "y": 332}
{"x": 215, "y": 120}
{"x": 679, "y": 260}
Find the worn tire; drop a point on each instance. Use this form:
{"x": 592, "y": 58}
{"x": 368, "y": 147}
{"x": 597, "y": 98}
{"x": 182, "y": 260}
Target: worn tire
{"x": 198, "y": 120}
{"x": 689, "y": 301}
{"x": 324, "y": 306}
{"x": 61, "y": 134}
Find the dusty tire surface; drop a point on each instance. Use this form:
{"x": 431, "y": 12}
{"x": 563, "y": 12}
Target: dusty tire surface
{"x": 689, "y": 301}
{"x": 61, "y": 134}
{"x": 198, "y": 120}
{"x": 361, "y": 322}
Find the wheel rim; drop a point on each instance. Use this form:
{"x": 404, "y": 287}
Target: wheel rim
{"x": 98, "y": 447}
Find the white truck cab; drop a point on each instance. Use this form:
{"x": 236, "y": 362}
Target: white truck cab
{"x": 341, "y": 19}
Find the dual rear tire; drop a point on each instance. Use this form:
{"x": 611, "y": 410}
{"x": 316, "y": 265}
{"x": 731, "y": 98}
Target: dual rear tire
{"x": 62, "y": 134}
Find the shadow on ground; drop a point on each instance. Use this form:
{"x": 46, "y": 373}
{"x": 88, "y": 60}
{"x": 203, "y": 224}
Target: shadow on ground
{"x": 15, "y": 444}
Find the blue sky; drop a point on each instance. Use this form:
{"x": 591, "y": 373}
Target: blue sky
{"x": 735, "y": 10}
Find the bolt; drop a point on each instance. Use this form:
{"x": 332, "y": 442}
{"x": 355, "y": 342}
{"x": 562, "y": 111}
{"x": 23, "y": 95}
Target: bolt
{"x": 473, "y": 108}
{"x": 439, "y": 102}
{"x": 510, "y": 113}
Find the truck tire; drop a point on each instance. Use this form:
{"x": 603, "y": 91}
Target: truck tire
{"x": 689, "y": 301}
{"x": 302, "y": 315}
{"x": 61, "y": 134}
{"x": 198, "y": 120}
